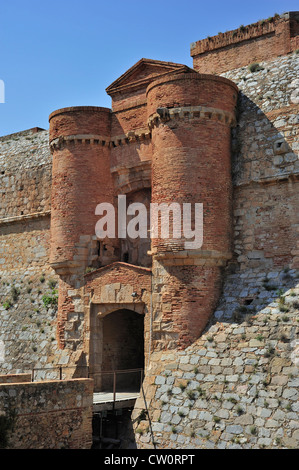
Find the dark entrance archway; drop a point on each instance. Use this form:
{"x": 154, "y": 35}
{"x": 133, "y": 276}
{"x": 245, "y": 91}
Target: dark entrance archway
{"x": 122, "y": 349}
{"x": 123, "y": 340}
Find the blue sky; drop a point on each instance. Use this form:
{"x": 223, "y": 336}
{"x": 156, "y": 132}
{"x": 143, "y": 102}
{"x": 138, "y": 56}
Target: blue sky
{"x": 65, "y": 53}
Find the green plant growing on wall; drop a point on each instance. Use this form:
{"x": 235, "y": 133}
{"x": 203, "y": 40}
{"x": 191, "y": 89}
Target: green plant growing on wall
{"x": 52, "y": 283}
{"x": 50, "y": 300}
{"x": 90, "y": 269}
{"x": 201, "y": 392}
{"x": 269, "y": 287}
{"x": 15, "y": 292}
{"x": 232, "y": 400}
{"x": 253, "y": 430}
{"x": 191, "y": 394}
{"x": 269, "y": 352}
{"x": 7, "y": 304}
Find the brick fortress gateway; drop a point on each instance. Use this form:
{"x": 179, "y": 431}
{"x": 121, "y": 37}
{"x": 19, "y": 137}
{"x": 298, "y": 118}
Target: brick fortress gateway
{"x": 217, "y": 134}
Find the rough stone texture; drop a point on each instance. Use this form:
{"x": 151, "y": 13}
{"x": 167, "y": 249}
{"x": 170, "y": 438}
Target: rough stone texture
{"x": 25, "y": 176}
{"x": 263, "y": 40}
{"x": 28, "y": 327}
{"x": 237, "y": 384}
{"x": 243, "y": 370}
{"x": 235, "y": 387}
{"x": 49, "y": 415}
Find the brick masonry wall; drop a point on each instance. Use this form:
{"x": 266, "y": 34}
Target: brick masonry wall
{"x": 189, "y": 149}
{"x": 81, "y": 166}
{"x": 265, "y": 165}
{"x": 48, "y": 415}
{"x": 237, "y": 386}
{"x": 109, "y": 289}
{"x": 259, "y": 41}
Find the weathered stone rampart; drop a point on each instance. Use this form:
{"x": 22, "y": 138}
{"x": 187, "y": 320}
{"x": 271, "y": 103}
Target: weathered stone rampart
{"x": 46, "y": 415}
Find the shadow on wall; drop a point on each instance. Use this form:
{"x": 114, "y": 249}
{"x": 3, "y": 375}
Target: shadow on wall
{"x": 263, "y": 276}
{"x": 259, "y": 148}
{"x": 249, "y": 294}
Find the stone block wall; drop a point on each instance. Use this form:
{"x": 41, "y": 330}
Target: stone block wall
{"x": 25, "y": 176}
{"x": 28, "y": 329}
{"x": 234, "y": 388}
{"x": 265, "y": 166}
{"x": 48, "y": 415}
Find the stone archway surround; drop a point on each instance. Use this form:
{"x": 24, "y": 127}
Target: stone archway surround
{"x": 115, "y": 287}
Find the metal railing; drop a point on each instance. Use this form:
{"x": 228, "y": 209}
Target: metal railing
{"x": 57, "y": 373}
{"x": 114, "y": 381}
{"x": 118, "y": 381}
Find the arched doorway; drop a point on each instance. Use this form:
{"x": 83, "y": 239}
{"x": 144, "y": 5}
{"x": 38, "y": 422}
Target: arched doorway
{"x": 120, "y": 346}
{"x": 123, "y": 340}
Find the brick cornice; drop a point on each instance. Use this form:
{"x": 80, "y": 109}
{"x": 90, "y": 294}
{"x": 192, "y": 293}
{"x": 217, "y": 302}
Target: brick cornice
{"x": 193, "y": 257}
{"x": 79, "y": 138}
{"x": 191, "y": 112}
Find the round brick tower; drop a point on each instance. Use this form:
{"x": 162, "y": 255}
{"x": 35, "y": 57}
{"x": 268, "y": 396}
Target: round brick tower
{"x": 190, "y": 116}
{"x": 79, "y": 141}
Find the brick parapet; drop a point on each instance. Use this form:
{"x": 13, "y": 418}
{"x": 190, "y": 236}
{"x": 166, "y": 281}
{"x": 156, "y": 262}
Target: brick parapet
{"x": 68, "y": 121}
{"x": 255, "y": 42}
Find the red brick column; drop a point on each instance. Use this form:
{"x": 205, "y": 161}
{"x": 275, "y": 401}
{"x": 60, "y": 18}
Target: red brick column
{"x": 79, "y": 140}
{"x": 190, "y": 116}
